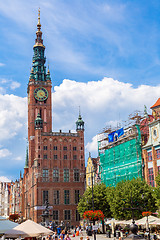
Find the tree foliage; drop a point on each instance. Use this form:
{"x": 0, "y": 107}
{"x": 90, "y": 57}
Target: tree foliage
{"x": 134, "y": 193}
{"x": 157, "y": 192}
{"x": 100, "y": 196}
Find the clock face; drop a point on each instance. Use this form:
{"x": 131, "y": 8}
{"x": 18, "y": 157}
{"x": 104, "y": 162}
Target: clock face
{"x": 41, "y": 94}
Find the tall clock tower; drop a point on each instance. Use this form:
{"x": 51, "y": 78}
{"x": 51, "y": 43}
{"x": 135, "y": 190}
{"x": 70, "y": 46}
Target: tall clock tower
{"x": 55, "y": 165}
{"x": 39, "y": 89}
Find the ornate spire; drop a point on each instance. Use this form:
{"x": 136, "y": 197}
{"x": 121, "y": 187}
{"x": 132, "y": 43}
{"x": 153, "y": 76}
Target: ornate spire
{"x": 39, "y": 24}
{"x": 39, "y": 69}
{"x": 79, "y": 122}
{"x": 39, "y": 41}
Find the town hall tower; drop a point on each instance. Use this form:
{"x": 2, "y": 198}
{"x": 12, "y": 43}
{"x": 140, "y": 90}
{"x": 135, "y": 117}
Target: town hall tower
{"x": 55, "y": 165}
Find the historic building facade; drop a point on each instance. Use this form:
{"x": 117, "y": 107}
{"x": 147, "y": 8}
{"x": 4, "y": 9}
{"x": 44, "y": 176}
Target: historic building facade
{"x": 9, "y": 198}
{"x": 5, "y": 198}
{"x": 151, "y": 150}
{"x": 55, "y": 162}
{"x": 92, "y": 171}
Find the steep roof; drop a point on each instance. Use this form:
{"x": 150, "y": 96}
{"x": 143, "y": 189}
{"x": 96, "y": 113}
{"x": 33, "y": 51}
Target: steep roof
{"x": 156, "y": 104}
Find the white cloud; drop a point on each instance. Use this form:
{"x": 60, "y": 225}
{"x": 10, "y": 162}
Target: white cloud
{"x": 4, "y": 179}
{"x": 13, "y": 113}
{"x": 14, "y": 85}
{"x": 92, "y": 146}
{"x": 102, "y": 103}
{"x": 108, "y": 96}
{"x": 105, "y": 102}
{"x": 2, "y": 64}
{"x": 4, "y": 153}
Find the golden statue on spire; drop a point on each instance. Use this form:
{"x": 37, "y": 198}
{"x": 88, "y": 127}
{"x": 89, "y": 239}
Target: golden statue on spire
{"x": 39, "y": 24}
{"x": 39, "y": 40}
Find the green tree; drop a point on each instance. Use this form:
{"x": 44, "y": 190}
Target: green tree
{"x": 157, "y": 192}
{"x": 100, "y": 193}
{"x": 135, "y": 193}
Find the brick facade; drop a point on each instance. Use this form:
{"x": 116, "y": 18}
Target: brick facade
{"x": 151, "y": 149}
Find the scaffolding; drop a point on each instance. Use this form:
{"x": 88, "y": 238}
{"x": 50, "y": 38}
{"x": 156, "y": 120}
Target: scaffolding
{"x": 122, "y": 158}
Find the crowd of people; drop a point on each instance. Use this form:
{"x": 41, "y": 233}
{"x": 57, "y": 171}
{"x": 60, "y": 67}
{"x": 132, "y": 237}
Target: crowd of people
{"x": 64, "y": 234}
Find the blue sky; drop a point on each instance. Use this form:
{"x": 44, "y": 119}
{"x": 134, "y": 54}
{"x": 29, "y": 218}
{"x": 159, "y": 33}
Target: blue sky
{"x": 103, "y": 56}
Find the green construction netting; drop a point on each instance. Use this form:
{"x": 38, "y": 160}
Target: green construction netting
{"x": 122, "y": 162}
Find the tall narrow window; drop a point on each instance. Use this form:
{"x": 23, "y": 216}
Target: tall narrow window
{"x": 76, "y": 196}
{"x": 89, "y": 181}
{"x": 45, "y": 176}
{"x": 66, "y": 175}
{"x": 151, "y": 176}
{"x": 158, "y": 153}
{"x": 55, "y": 175}
{"x": 67, "y": 215}
{"x": 56, "y": 197}
{"x": 76, "y": 175}
{"x": 45, "y": 115}
{"x": 66, "y": 197}
{"x": 150, "y": 156}
{"x": 45, "y": 196}
{"x": 75, "y": 157}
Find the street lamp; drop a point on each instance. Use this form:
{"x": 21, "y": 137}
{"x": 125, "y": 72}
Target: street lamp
{"x": 94, "y": 233}
{"x": 147, "y": 214}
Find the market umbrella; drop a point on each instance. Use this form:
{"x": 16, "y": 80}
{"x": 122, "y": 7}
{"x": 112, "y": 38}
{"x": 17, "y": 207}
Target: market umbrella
{"x": 156, "y": 222}
{"x": 143, "y": 220}
{"x": 6, "y": 225}
{"x": 28, "y": 229}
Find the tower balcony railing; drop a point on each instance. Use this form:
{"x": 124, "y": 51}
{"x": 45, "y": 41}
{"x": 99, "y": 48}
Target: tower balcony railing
{"x": 60, "y": 134}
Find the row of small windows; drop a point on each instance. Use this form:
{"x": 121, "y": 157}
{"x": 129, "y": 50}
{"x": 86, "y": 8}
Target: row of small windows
{"x": 55, "y": 156}
{"x": 64, "y": 148}
{"x": 66, "y": 197}
{"x": 150, "y": 155}
{"x": 67, "y": 215}
{"x": 66, "y": 175}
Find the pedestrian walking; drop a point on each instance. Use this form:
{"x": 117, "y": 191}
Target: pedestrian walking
{"x": 87, "y": 238}
{"x": 67, "y": 237}
{"x": 58, "y": 230}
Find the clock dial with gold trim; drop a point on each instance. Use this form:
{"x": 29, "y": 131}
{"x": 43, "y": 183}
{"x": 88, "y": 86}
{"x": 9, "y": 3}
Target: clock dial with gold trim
{"x": 41, "y": 94}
